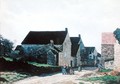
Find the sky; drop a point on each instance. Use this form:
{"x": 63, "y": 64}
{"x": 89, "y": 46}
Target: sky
{"x": 86, "y": 17}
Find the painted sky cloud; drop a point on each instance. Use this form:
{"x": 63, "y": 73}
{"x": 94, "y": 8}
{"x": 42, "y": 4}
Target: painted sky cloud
{"x": 86, "y": 17}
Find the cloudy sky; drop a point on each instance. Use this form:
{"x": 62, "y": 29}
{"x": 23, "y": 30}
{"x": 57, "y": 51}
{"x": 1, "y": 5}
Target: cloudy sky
{"x": 86, "y": 17}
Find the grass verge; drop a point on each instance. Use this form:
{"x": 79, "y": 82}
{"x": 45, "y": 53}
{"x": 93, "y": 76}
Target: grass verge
{"x": 107, "y": 79}
{"x": 10, "y": 77}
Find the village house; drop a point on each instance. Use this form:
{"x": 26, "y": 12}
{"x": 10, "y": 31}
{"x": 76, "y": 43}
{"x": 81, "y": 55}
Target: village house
{"x": 57, "y": 48}
{"x": 110, "y": 51}
{"x": 107, "y": 49}
{"x": 53, "y": 47}
{"x": 91, "y": 56}
{"x": 60, "y": 39}
{"x": 76, "y": 48}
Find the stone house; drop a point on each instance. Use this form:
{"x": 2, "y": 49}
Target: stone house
{"x": 77, "y": 45}
{"x": 60, "y": 39}
{"x": 91, "y": 56}
{"x": 107, "y": 49}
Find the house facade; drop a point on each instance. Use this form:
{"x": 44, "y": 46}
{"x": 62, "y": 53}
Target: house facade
{"x": 65, "y": 56}
{"x": 80, "y": 51}
{"x": 91, "y": 56}
{"x": 76, "y": 50}
{"x": 59, "y": 39}
{"x": 107, "y": 49}
{"x": 117, "y": 56}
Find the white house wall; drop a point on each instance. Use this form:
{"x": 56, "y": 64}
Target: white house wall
{"x": 65, "y": 55}
{"x": 117, "y": 56}
{"x": 78, "y": 57}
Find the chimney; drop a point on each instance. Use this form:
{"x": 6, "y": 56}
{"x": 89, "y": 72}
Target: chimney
{"x": 79, "y": 36}
{"x": 66, "y": 29}
{"x": 51, "y": 42}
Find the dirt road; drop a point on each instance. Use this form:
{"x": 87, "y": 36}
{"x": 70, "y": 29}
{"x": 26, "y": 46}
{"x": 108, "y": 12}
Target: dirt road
{"x": 55, "y": 78}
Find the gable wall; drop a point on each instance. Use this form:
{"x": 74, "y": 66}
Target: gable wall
{"x": 65, "y": 55}
{"x": 78, "y": 57}
{"x": 107, "y": 51}
{"x": 117, "y": 56}
{"x": 107, "y": 48}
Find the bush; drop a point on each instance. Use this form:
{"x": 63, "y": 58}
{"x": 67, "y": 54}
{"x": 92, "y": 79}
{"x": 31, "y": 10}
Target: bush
{"x": 33, "y": 68}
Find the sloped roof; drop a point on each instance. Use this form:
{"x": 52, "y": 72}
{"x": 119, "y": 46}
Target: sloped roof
{"x": 108, "y": 38}
{"x": 98, "y": 54}
{"x": 89, "y": 50}
{"x": 44, "y": 37}
{"x": 75, "y": 40}
{"x": 75, "y": 45}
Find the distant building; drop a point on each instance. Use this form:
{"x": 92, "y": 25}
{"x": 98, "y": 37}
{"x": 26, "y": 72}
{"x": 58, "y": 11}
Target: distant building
{"x": 107, "y": 49}
{"x": 58, "y": 48}
{"x": 91, "y": 56}
{"x": 77, "y": 46}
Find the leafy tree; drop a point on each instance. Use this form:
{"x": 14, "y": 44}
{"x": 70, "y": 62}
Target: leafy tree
{"x": 117, "y": 34}
{"x": 21, "y": 50}
{"x": 5, "y": 46}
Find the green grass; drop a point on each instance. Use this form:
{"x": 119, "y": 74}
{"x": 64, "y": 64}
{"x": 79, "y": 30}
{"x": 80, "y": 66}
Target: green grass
{"x": 107, "y": 79}
{"x": 12, "y": 76}
{"x": 40, "y": 65}
{"x": 105, "y": 70}
{"x": 8, "y": 59}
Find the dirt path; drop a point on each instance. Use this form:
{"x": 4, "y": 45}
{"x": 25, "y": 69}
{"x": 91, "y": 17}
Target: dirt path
{"x": 55, "y": 79}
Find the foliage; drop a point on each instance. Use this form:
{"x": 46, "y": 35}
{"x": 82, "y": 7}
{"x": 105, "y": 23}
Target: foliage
{"x": 8, "y": 59}
{"x": 105, "y": 70}
{"x": 108, "y": 79}
{"x": 5, "y": 46}
{"x": 50, "y": 58}
{"x": 39, "y": 65}
{"x": 117, "y": 34}
{"x": 37, "y": 53}
{"x": 21, "y": 50}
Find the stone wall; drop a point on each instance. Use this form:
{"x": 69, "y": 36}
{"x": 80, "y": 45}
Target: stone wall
{"x": 117, "y": 56}
{"x": 65, "y": 56}
{"x": 107, "y": 51}
{"x": 78, "y": 58}
{"x": 109, "y": 64}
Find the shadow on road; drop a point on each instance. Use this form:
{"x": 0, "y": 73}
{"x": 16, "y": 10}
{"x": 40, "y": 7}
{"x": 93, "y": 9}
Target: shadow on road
{"x": 89, "y": 68}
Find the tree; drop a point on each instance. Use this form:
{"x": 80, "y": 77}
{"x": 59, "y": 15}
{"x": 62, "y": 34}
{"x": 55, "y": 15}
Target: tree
{"x": 5, "y": 46}
{"x": 117, "y": 34}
